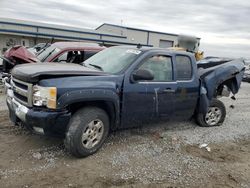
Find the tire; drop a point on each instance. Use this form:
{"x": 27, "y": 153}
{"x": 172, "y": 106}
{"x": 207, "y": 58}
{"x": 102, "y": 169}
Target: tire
{"x": 87, "y": 131}
{"x": 214, "y": 117}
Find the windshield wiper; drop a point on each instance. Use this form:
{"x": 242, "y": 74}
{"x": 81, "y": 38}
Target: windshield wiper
{"x": 48, "y": 54}
{"x": 96, "y": 66}
{"x": 44, "y": 48}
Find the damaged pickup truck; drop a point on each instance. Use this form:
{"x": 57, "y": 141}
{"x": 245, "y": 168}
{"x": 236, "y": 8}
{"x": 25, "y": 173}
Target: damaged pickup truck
{"x": 119, "y": 87}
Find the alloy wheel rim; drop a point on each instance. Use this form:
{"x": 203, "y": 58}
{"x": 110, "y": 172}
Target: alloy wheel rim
{"x": 93, "y": 134}
{"x": 213, "y": 116}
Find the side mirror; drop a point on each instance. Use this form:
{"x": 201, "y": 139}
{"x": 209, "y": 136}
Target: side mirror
{"x": 142, "y": 74}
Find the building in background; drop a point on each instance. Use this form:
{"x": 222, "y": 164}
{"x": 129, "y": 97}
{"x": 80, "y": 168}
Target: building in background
{"x": 26, "y": 33}
{"x": 145, "y": 37}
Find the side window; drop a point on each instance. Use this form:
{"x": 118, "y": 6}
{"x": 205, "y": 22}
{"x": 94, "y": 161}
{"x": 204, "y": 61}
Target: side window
{"x": 88, "y": 54}
{"x": 71, "y": 57}
{"x": 160, "y": 66}
{"x": 62, "y": 57}
{"x": 183, "y": 67}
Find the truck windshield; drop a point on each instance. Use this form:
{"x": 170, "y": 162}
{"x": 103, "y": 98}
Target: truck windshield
{"x": 47, "y": 53}
{"x": 113, "y": 60}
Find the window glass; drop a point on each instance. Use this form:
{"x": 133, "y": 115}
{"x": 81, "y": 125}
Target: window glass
{"x": 71, "y": 57}
{"x": 62, "y": 57}
{"x": 113, "y": 60}
{"x": 88, "y": 54}
{"x": 44, "y": 55}
{"x": 183, "y": 67}
{"x": 160, "y": 66}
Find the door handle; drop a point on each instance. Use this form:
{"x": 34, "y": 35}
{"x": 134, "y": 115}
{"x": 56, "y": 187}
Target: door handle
{"x": 169, "y": 90}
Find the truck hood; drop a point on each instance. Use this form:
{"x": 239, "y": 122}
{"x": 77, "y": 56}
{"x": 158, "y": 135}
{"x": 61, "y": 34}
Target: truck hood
{"x": 33, "y": 72}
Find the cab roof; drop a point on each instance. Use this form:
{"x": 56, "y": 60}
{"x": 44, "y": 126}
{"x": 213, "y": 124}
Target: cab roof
{"x": 146, "y": 48}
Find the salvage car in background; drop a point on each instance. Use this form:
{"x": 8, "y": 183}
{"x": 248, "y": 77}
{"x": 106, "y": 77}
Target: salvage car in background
{"x": 38, "y": 47}
{"x": 118, "y": 88}
{"x": 68, "y": 52}
{"x": 61, "y": 52}
{"x": 246, "y": 77}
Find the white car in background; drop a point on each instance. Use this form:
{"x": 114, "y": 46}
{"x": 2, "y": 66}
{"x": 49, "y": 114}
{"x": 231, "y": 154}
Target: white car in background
{"x": 246, "y": 77}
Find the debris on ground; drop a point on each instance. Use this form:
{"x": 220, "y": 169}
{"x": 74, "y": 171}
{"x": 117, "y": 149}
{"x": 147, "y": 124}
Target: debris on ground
{"x": 233, "y": 98}
{"x": 231, "y": 106}
{"x": 156, "y": 135}
{"x": 37, "y": 155}
{"x": 205, "y": 146}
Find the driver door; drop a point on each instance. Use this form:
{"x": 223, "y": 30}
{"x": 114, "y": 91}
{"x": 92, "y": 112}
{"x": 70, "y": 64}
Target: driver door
{"x": 147, "y": 100}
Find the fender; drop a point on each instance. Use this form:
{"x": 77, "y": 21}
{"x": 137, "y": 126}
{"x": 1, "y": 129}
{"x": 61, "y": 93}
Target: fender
{"x": 229, "y": 74}
{"x": 88, "y": 95}
{"x": 232, "y": 71}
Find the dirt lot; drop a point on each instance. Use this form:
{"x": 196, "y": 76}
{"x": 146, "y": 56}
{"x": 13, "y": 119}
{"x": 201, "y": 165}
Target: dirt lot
{"x": 165, "y": 155}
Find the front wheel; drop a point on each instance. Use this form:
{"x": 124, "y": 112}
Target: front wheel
{"x": 215, "y": 115}
{"x": 87, "y": 131}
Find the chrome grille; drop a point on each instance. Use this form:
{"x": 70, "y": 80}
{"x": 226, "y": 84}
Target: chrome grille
{"x": 22, "y": 91}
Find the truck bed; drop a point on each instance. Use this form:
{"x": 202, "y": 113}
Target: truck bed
{"x": 213, "y": 79}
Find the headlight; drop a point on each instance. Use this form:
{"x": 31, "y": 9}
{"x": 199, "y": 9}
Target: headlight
{"x": 44, "y": 96}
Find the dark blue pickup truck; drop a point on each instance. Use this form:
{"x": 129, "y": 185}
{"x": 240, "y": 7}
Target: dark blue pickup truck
{"x": 119, "y": 87}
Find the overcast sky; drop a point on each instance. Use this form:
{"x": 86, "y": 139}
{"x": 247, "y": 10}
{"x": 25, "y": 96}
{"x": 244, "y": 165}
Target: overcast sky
{"x": 223, "y": 26}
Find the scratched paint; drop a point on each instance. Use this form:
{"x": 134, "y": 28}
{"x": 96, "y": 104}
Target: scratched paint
{"x": 156, "y": 100}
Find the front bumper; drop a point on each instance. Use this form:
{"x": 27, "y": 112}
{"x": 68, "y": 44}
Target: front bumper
{"x": 40, "y": 121}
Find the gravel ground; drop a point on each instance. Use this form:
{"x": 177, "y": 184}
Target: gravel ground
{"x": 3, "y": 105}
{"x": 163, "y": 155}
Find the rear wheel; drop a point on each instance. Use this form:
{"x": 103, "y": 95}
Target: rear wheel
{"x": 87, "y": 131}
{"x": 215, "y": 115}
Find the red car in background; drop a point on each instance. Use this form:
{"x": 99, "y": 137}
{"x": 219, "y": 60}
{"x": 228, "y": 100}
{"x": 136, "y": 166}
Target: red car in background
{"x": 61, "y": 52}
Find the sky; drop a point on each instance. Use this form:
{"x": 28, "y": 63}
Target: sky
{"x": 223, "y": 26}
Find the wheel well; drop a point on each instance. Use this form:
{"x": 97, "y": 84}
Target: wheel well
{"x": 229, "y": 83}
{"x": 107, "y": 106}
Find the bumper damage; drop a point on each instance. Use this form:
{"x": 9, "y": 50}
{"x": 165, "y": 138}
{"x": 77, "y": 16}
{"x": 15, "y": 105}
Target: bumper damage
{"x": 39, "y": 121}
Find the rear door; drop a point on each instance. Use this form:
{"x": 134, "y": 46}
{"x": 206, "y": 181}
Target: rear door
{"x": 146, "y": 100}
{"x": 187, "y": 91}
